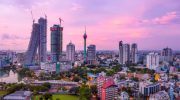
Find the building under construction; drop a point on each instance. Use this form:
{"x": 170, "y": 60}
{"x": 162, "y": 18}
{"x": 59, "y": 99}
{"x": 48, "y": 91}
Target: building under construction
{"x": 37, "y": 44}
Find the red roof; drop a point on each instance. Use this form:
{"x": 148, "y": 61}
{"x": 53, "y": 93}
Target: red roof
{"x": 108, "y": 83}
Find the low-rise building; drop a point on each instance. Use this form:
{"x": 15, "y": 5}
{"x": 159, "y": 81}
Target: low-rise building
{"x": 161, "y": 95}
{"x": 124, "y": 96}
{"x": 147, "y": 88}
{"x": 18, "y": 95}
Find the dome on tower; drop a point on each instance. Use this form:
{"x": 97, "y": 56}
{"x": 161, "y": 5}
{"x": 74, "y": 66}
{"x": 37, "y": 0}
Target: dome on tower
{"x": 85, "y": 36}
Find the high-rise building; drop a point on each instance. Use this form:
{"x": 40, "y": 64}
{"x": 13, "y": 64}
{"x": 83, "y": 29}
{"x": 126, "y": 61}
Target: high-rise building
{"x": 121, "y": 52}
{"x": 152, "y": 60}
{"x": 91, "y": 54}
{"x": 134, "y": 56}
{"x": 42, "y": 39}
{"x": 166, "y": 54}
{"x": 109, "y": 90}
{"x": 56, "y": 42}
{"x": 70, "y": 52}
{"x": 38, "y": 41}
{"x": 33, "y": 44}
{"x": 146, "y": 88}
{"x": 85, "y": 54}
{"x": 100, "y": 81}
{"x": 126, "y": 53}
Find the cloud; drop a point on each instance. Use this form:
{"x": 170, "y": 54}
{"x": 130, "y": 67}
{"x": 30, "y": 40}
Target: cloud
{"x": 76, "y": 7}
{"x": 7, "y": 36}
{"x": 107, "y": 21}
{"x": 169, "y": 18}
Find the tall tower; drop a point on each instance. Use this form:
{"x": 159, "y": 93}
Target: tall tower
{"x": 134, "y": 51}
{"x": 167, "y": 55}
{"x": 85, "y": 53}
{"x": 126, "y": 53}
{"x": 91, "y": 54}
{"x": 42, "y": 39}
{"x": 56, "y": 42}
{"x": 120, "y": 52}
{"x": 33, "y": 45}
{"x": 70, "y": 52}
{"x": 38, "y": 41}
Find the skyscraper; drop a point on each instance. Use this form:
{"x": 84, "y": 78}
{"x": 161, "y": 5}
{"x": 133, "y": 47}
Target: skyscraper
{"x": 166, "y": 54}
{"x": 134, "y": 51}
{"x": 33, "y": 44}
{"x": 121, "y": 52}
{"x": 56, "y": 42}
{"x": 70, "y": 52}
{"x": 126, "y": 53}
{"x": 42, "y": 39}
{"x": 152, "y": 60}
{"x": 38, "y": 41}
{"x": 85, "y": 37}
{"x": 91, "y": 54}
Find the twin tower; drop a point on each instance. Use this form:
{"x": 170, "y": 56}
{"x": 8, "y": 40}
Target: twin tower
{"x": 37, "y": 48}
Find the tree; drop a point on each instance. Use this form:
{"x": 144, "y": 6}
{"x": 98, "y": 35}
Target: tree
{"x": 117, "y": 68}
{"x": 74, "y": 90}
{"x": 110, "y": 72}
{"x": 85, "y": 92}
{"x": 135, "y": 79}
{"x": 175, "y": 77}
{"x": 132, "y": 69}
{"x": 47, "y": 96}
{"x": 48, "y": 85}
{"x": 76, "y": 78}
{"x": 41, "y": 98}
{"x": 122, "y": 77}
{"x": 93, "y": 89}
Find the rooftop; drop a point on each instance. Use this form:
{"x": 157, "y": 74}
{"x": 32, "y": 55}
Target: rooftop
{"x": 18, "y": 95}
{"x": 108, "y": 83}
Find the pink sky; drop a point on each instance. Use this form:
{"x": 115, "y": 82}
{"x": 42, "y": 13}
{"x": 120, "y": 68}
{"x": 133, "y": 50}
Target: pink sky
{"x": 153, "y": 24}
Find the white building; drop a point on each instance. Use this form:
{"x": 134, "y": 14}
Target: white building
{"x": 147, "y": 88}
{"x": 152, "y": 60}
{"x": 124, "y": 96}
{"x": 51, "y": 67}
{"x": 70, "y": 52}
{"x": 19, "y": 95}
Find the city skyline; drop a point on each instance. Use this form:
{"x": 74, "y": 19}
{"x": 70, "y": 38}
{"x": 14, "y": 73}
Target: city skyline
{"x": 151, "y": 24}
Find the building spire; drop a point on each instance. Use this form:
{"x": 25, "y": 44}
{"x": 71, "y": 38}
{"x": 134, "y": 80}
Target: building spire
{"x": 85, "y": 30}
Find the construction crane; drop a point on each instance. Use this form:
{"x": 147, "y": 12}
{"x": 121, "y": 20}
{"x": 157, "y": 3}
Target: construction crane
{"x": 60, "y": 20}
{"x": 32, "y": 17}
{"x": 45, "y": 16}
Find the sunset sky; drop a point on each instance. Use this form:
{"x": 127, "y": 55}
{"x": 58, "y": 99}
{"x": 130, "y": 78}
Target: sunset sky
{"x": 152, "y": 24}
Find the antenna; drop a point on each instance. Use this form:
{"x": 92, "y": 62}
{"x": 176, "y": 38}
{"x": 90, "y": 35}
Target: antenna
{"x": 60, "y": 20}
{"x": 85, "y": 28}
{"x": 32, "y": 16}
